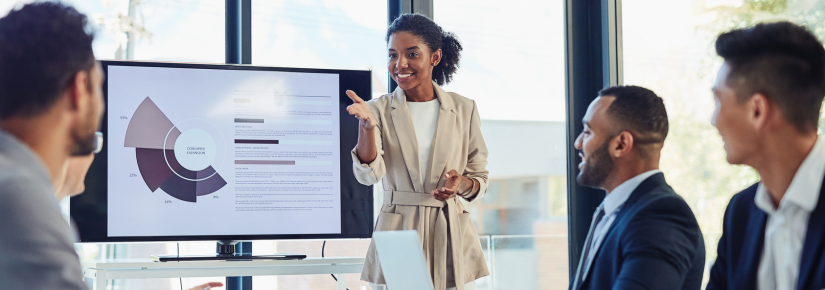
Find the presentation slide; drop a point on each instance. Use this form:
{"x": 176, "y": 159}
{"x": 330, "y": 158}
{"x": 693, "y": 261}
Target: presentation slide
{"x": 222, "y": 152}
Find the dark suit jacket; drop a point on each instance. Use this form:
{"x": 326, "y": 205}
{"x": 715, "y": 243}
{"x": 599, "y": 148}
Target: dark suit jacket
{"x": 654, "y": 243}
{"x": 743, "y": 236}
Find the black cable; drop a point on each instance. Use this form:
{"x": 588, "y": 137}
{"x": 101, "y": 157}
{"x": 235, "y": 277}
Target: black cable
{"x": 324, "y": 245}
{"x": 180, "y": 278}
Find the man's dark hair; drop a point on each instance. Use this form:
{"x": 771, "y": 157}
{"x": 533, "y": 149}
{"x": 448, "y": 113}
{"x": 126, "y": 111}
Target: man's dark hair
{"x": 435, "y": 38}
{"x": 43, "y": 46}
{"x": 639, "y": 111}
{"x": 783, "y": 61}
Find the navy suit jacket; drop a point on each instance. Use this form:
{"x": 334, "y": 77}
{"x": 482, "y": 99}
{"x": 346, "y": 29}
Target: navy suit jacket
{"x": 743, "y": 237}
{"x": 654, "y": 243}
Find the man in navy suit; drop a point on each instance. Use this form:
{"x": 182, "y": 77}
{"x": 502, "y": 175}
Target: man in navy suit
{"x": 768, "y": 96}
{"x": 643, "y": 235}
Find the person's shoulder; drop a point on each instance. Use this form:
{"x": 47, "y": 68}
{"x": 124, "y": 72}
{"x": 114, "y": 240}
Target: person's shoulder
{"x": 661, "y": 217}
{"x": 381, "y": 103}
{"x": 667, "y": 199}
{"x": 663, "y": 199}
{"x": 28, "y": 206}
{"x": 33, "y": 225}
{"x": 460, "y": 101}
{"x": 464, "y": 107}
{"x": 383, "y": 99}
{"x": 18, "y": 183}
{"x": 741, "y": 206}
{"x": 745, "y": 198}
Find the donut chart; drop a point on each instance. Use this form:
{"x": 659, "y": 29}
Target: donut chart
{"x": 177, "y": 161}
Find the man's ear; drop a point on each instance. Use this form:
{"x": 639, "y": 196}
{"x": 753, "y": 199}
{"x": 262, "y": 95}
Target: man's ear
{"x": 78, "y": 90}
{"x": 759, "y": 111}
{"x": 622, "y": 144}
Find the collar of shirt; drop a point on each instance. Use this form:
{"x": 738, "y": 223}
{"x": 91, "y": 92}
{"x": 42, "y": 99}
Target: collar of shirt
{"x": 805, "y": 186}
{"x": 619, "y": 195}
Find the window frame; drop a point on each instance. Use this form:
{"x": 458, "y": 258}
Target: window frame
{"x": 592, "y": 62}
{"x": 238, "y": 31}
{"x": 238, "y": 46}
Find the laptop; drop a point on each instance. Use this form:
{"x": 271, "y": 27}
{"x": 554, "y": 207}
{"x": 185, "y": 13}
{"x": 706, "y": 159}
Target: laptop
{"x": 402, "y": 260}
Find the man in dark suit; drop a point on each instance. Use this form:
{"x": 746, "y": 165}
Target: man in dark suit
{"x": 768, "y": 96}
{"x": 643, "y": 235}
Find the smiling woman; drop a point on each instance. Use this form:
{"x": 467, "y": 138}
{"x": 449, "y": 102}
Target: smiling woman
{"x": 425, "y": 145}
{"x": 442, "y": 51}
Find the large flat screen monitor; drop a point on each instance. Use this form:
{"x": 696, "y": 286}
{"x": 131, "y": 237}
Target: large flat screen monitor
{"x": 225, "y": 152}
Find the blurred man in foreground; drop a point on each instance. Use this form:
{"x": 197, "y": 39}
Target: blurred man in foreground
{"x": 51, "y": 105}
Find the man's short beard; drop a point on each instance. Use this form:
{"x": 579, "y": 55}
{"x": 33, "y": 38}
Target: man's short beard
{"x": 83, "y": 140}
{"x": 597, "y": 167}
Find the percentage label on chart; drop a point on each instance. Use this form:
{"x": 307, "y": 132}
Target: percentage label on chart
{"x": 124, "y": 118}
{"x": 168, "y": 201}
{"x": 132, "y": 175}
{"x": 214, "y": 196}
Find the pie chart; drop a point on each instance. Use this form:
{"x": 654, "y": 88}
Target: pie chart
{"x": 177, "y": 158}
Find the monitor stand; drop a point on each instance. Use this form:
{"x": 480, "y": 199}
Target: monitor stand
{"x": 226, "y": 252}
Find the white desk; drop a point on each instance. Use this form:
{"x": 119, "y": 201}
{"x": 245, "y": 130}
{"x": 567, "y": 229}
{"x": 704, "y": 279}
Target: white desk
{"x": 105, "y": 270}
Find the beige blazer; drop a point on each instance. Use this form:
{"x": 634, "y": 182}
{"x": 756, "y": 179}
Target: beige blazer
{"x": 446, "y": 231}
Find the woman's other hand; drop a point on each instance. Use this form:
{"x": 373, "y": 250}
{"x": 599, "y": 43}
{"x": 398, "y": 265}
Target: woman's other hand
{"x": 361, "y": 110}
{"x": 450, "y": 188}
{"x": 207, "y": 286}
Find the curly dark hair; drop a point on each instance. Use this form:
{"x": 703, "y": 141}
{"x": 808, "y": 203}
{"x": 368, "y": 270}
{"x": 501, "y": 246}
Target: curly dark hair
{"x": 435, "y": 38}
{"x": 781, "y": 60}
{"x": 43, "y": 45}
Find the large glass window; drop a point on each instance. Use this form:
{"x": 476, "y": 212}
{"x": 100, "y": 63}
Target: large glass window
{"x": 512, "y": 65}
{"x": 669, "y": 48}
{"x": 156, "y": 30}
{"x": 340, "y": 34}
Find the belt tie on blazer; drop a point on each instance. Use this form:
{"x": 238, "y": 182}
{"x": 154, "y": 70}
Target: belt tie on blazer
{"x": 440, "y": 233}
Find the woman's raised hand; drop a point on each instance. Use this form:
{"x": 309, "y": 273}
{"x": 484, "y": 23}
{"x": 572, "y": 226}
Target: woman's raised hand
{"x": 361, "y": 110}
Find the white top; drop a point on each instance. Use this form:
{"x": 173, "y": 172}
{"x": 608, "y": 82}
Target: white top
{"x": 787, "y": 224}
{"x": 612, "y": 203}
{"x": 425, "y": 118}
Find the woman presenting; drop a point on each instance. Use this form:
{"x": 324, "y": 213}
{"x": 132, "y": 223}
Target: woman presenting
{"x": 427, "y": 146}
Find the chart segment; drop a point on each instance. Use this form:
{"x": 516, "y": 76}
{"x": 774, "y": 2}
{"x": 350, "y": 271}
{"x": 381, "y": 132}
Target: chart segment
{"x": 159, "y": 144}
{"x": 149, "y": 127}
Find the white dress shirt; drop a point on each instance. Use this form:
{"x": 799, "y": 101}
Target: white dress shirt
{"x": 425, "y": 120}
{"x": 787, "y": 224}
{"x": 612, "y": 204}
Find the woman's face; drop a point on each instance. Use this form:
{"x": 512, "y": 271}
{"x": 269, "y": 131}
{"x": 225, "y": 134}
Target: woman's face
{"x": 410, "y": 60}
